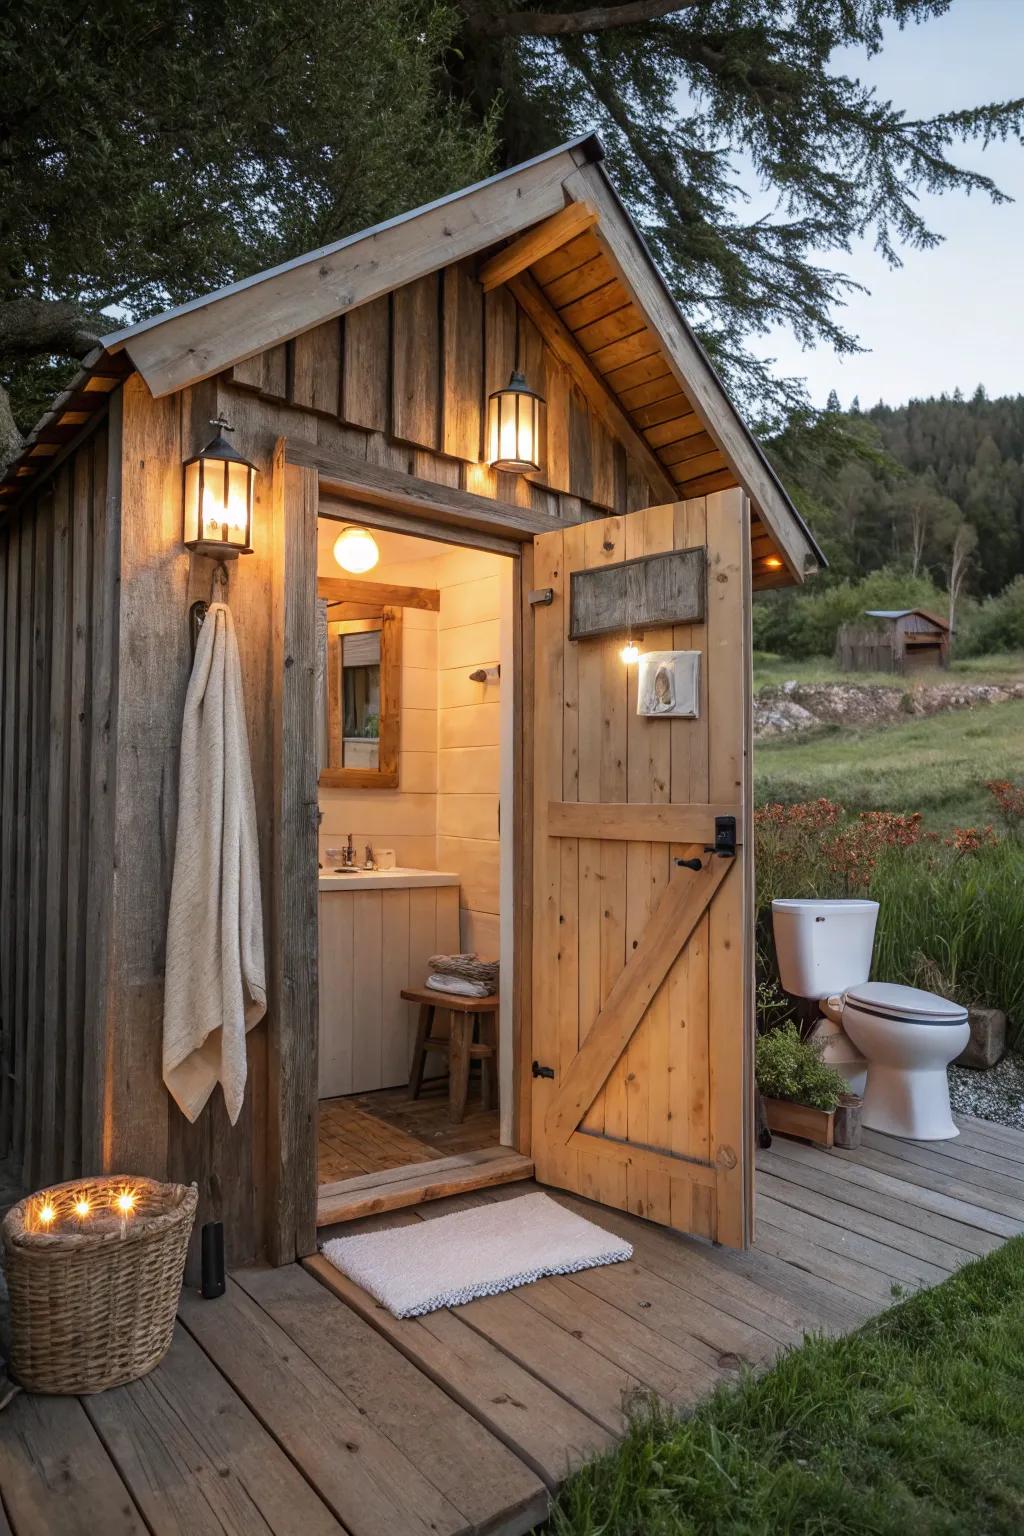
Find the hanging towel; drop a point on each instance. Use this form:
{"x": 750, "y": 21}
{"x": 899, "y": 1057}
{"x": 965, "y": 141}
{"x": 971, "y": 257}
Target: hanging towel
{"x": 215, "y": 989}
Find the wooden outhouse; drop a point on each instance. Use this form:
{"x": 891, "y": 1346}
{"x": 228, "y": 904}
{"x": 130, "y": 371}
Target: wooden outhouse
{"x": 357, "y": 381}
{"x": 903, "y": 640}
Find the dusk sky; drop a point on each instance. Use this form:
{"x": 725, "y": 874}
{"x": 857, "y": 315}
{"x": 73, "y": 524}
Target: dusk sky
{"x": 954, "y": 315}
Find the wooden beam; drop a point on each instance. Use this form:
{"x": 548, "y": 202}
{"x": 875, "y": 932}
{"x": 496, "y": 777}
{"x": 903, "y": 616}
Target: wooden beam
{"x": 564, "y": 347}
{"x": 251, "y": 316}
{"x": 540, "y": 241}
{"x": 660, "y": 823}
{"x": 343, "y": 474}
{"x": 690, "y": 366}
{"x": 650, "y": 1159}
{"x": 673, "y": 920}
{"x": 352, "y": 589}
{"x": 368, "y": 1194}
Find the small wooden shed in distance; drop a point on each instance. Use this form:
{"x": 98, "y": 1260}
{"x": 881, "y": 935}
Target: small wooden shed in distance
{"x": 357, "y": 380}
{"x": 903, "y": 640}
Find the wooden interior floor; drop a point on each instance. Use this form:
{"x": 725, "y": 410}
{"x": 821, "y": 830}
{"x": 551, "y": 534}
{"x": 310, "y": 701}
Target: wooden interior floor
{"x": 372, "y": 1132}
{"x": 296, "y": 1404}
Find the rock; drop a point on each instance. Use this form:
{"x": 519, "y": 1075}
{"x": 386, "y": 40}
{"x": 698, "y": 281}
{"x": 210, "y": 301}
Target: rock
{"x": 794, "y": 706}
{"x": 988, "y": 1039}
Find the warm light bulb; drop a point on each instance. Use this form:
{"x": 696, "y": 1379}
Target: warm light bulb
{"x": 356, "y": 551}
{"x": 81, "y": 1207}
{"x": 46, "y": 1214}
{"x": 125, "y": 1202}
{"x": 630, "y": 652}
{"x": 773, "y": 562}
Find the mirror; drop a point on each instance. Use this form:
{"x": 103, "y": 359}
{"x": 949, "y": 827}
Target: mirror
{"x": 362, "y": 695}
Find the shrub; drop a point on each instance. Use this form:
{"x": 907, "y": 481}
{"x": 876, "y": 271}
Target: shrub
{"x": 790, "y": 1068}
{"x": 997, "y": 625}
{"x": 1009, "y": 798}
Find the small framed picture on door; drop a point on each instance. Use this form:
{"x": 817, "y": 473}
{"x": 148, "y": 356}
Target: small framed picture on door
{"x": 668, "y": 683}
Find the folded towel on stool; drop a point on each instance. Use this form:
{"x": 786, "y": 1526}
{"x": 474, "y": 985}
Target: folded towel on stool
{"x": 457, "y": 985}
{"x": 468, "y": 967}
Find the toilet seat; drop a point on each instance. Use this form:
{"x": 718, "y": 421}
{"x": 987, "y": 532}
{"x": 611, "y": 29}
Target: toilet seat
{"x": 904, "y": 1005}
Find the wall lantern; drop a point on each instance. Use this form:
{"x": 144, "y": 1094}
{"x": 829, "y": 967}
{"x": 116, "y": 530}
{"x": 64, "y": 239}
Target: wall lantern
{"x": 355, "y": 550}
{"x": 514, "y": 417}
{"x": 218, "y": 499}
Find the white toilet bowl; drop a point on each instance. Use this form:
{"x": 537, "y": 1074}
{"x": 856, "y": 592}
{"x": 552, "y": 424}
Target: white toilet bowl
{"x": 905, "y": 1038}
{"x": 908, "y": 1038}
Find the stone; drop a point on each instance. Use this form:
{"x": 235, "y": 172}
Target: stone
{"x": 988, "y": 1039}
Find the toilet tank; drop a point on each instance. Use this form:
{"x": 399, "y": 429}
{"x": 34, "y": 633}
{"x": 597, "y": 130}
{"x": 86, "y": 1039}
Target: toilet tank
{"x": 823, "y": 946}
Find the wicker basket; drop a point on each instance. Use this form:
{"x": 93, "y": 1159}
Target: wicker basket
{"x": 93, "y": 1300}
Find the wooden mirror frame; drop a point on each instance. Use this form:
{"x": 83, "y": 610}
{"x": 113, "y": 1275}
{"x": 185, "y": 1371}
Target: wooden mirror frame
{"x": 385, "y": 775}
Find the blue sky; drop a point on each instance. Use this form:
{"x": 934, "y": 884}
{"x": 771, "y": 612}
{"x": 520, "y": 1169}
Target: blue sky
{"x": 954, "y": 315}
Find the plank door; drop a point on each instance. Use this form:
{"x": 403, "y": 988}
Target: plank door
{"x": 642, "y": 969}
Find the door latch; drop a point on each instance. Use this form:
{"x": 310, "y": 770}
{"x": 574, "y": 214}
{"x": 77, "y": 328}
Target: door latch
{"x": 724, "y": 844}
{"x": 542, "y": 597}
{"x": 539, "y": 1071}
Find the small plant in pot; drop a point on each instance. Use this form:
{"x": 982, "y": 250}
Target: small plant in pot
{"x": 801, "y": 1092}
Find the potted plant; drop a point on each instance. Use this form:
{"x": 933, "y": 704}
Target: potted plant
{"x": 801, "y": 1092}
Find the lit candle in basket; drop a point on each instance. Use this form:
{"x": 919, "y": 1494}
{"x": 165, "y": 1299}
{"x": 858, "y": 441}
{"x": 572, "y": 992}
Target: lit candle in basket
{"x": 125, "y": 1205}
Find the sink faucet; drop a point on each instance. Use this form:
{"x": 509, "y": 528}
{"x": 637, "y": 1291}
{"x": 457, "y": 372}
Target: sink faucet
{"x": 350, "y": 852}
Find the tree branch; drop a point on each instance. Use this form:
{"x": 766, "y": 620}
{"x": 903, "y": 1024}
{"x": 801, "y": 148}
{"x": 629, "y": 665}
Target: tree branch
{"x": 10, "y": 438}
{"x": 34, "y": 327}
{"x": 598, "y": 18}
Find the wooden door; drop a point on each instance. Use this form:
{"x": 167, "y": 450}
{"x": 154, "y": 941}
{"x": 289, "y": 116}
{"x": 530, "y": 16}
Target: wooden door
{"x": 642, "y": 969}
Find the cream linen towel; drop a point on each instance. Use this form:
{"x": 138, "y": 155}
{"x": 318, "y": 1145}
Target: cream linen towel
{"x": 215, "y": 989}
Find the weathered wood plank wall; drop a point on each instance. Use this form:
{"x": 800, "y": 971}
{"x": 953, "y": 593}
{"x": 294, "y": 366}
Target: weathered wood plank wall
{"x": 56, "y": 665}
{"x": 402, "y": 381}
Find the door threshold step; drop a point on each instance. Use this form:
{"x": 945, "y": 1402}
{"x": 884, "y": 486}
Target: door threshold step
{"x": 391, "y": 1190}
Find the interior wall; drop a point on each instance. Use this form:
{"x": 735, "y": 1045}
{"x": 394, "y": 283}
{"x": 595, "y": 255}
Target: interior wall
{"x": 445, "y": 812}
{"x": 405, "y": 818}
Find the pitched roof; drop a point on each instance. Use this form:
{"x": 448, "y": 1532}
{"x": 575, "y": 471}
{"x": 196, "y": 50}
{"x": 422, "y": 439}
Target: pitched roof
{"x": 904, "y": 613}
{"x": 714, "y": 448}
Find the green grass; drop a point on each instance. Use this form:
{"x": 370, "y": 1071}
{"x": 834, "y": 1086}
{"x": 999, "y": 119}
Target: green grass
{"x": 937, "y": 764}
{"x": 771, "y": 670}
{"x": 912, "y": 1427}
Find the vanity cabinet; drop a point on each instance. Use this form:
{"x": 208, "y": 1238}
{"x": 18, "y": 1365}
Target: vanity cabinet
{"x": 376, "y": 935}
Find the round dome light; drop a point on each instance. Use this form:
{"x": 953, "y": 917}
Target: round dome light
{"x": 355, "y": 550}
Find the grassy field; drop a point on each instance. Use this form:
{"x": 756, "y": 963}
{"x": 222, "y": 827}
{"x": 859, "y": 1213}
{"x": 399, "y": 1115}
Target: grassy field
{"x": 937, "y": 764}
{"x": 913, "y": 1425}
{"x": 770, "y": 671}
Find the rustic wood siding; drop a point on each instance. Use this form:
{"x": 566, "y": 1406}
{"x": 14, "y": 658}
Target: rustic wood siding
{"x": 57, "y": 668}
{"x": 402, "y": 380}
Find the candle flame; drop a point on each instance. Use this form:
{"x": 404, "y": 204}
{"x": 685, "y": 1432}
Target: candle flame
{"x": 81, "y": 1206}
{"x": 125, "y": 1202}
{"x": 46, "y": 1213}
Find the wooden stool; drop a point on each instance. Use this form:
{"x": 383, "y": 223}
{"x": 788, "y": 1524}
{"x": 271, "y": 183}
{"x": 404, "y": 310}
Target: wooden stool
{"x": 468, "y": 1016}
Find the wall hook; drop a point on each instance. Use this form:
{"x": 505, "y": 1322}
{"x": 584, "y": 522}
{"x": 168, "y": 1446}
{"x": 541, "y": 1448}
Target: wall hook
{"x": 485, "y": 674}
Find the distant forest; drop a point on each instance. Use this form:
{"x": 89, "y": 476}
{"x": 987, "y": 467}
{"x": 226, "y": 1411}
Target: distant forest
{"x": 908, "y": 502}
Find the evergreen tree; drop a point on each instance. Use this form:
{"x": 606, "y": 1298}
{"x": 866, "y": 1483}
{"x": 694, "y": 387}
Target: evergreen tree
{"x": 149, "y": 151}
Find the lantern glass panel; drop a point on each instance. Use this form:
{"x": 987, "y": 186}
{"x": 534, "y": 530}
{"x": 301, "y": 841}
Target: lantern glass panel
{"x": 192, "y": 481}
{"x": 237, "y": 509}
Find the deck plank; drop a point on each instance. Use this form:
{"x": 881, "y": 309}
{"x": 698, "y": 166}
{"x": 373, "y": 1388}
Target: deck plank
{"x": 468, "y": 1466}
{"x": 905, "y": 1268}
{"x": 996, "y": 1178}
{"x": 196, "y": 1459}
{"x": 551, "y": 1435}
{"x": 56, "y": 1475}
{"x": 856, "y": 1183}
{"x": 372, "y": 1488}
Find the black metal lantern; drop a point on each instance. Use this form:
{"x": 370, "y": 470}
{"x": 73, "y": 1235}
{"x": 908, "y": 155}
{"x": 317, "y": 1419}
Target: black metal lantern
{"x": 218, "y": 499}
{"x": 514, "y": 417}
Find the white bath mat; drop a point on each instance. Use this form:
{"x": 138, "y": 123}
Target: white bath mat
{"x": 454, "y": 1259}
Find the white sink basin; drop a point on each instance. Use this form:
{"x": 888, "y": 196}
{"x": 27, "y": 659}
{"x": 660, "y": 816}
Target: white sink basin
{"x": 332, "y": 878}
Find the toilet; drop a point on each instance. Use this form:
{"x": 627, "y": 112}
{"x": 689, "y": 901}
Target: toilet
{"x": 891, "y": 1043}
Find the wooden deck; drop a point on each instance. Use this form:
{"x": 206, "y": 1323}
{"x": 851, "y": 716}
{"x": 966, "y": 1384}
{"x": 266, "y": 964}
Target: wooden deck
{"x": 293, "y": 1406}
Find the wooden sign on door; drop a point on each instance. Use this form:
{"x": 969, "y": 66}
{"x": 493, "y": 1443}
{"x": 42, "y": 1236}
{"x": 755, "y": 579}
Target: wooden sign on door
{"x": 637, "y": 594}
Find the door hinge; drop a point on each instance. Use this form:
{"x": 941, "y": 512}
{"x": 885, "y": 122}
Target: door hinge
{"x": 542, "y": 597}
{"x": 539, "y": 1071}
